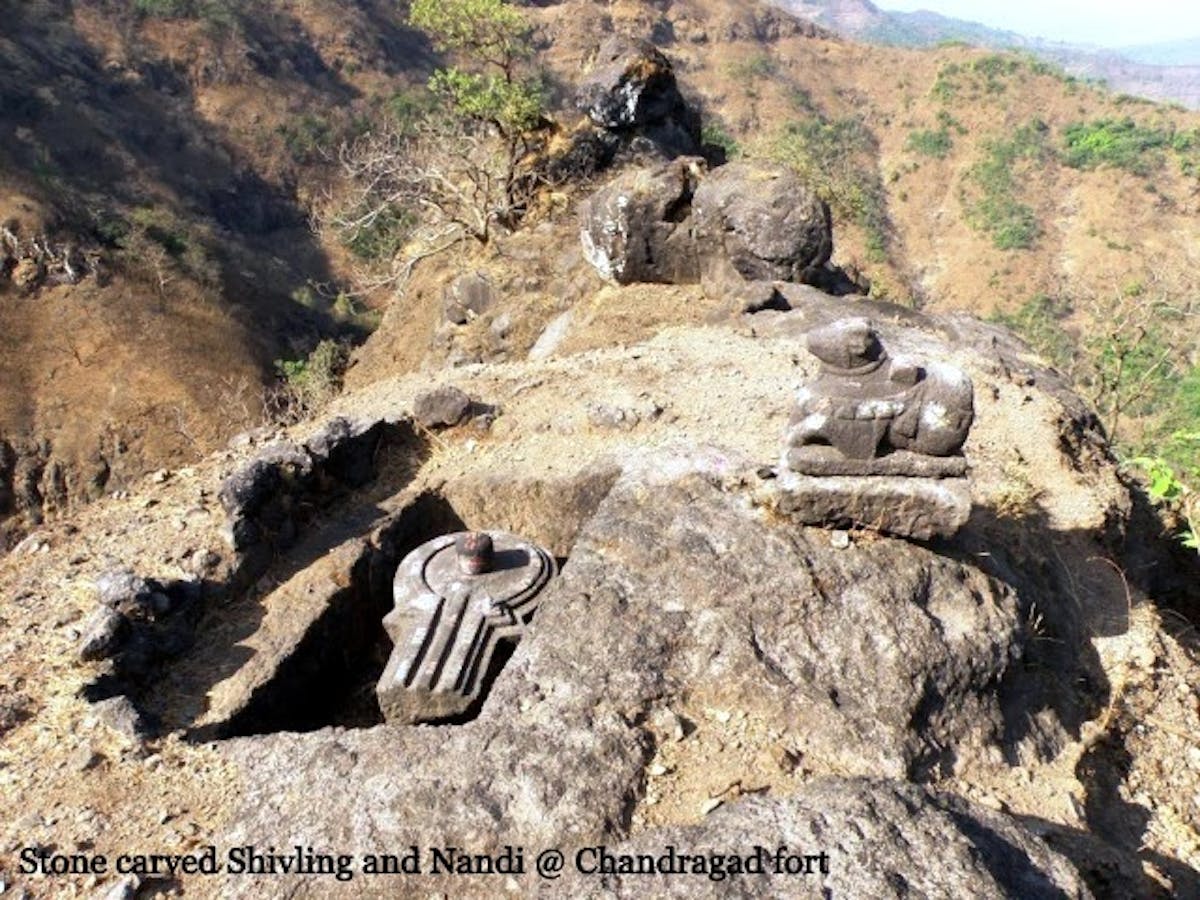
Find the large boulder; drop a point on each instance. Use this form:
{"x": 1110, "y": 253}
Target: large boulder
{"x": 636, "y": 228}
{"x": 632, "y": 94}
{"x": 882, "y": 658}
{"x": 835, "y": 838}
{"x": 756, "y": 221}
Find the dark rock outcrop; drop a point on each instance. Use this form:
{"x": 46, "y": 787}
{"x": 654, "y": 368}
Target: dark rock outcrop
{"x": 737, "y": 229}
{"x": 631, "y": 92}
{"x": 138, "y": 622}
{"x": 637, "y": 227}
{"x": 441, "y": 407}
{"x": 759, "y": 222}
{"x": 843, "y": 838}
{"x": 633, "y": 111}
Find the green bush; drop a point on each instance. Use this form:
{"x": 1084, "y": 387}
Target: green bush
{"x": 928, "y": 142}
{"x": 308, "y": 384}
{"x": 1173, "y": 479}
{"x": 995, "y": 206}
{"x": 1039, "y": 321}
{"x": 714, "y": 134}
{"x": 985, "y": 75}
{"x": 993, "y": 69}
{"x": 378, "y": 239}
{"x": 306, "y": 137}
{"x": 1120, "y": 143}
{"x": 947, "y": 121}
{"x": 946, "y": 84}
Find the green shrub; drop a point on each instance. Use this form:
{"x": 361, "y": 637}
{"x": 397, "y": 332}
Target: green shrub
{"x": 1121, "y": 143}
{"x": 929, "y": 142}
{"x": 993, "y": 69}
{"x": 162, "y": 228}
{"x": 306, "y": 137}
{"x": 947, "y": 121}
{"x": 307, "y": 384}
{"x": 379, "y": 238}
{"x": 1173, "y": 479}
{"x": 713, "y": 133}
{"x": 946, "y": 83}
{"x": 994, "y": 206}
{"x": 1039, "y": 321}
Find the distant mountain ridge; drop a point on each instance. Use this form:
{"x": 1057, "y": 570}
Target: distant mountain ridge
{"x": 1184, "y": 52}
{"x": 1169, "y": 71}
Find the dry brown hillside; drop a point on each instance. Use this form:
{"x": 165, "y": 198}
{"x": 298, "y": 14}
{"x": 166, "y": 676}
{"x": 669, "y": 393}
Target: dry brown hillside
{"x": 1006, "y": 706}
{"x": 156, "y": 183}
{"x": 185, "y": 157}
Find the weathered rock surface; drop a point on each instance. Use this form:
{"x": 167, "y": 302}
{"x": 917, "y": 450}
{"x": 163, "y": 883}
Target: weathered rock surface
{"x": 881, "y": 659}
{"x": 756, "y": 221}
{"x": 920, "y": 508}
{"x": 631, "y": 92}
{"x": 816, "y": 459}
{"x": 466, "y": 297}
{"x": 637, "y": 227}
{"x": 441, "y": 407}
{"x": 103, "y": 632}
{"x": 883, "y": 839}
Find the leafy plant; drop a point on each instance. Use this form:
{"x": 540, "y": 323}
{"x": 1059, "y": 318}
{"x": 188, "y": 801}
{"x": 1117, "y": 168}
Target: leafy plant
{"x": 1170, "y": 480}
{"x": 1120, "y": 143}
{"x": 928, "y": 142}
{"x": 381, "y": 236}
{"x": 307, "y": 384}
{"x": 494, "y": 36}
{"x": 714, "y": 134}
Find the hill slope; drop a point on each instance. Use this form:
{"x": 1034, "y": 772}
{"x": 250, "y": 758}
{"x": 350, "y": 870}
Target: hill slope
{"x": 949, "y": 172}
{"x": 1158, "y": 72}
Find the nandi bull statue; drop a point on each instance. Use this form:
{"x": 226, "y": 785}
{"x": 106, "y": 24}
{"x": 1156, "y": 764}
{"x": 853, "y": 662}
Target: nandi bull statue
{"x": 866, "y": 404}
{"x": 876, "y": 441}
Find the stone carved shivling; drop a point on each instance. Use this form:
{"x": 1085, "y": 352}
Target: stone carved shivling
{"x": 876, "y": 441}
{"x": 456, "y": 598}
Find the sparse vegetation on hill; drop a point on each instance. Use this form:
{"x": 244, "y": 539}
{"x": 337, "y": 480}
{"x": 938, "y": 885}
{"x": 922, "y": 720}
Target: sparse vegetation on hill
{"x": 993, "y": 199}
{"x": 838, "y": 158}
{"x": 1115, "y": 142}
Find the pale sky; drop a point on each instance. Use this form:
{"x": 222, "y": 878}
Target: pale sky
{"x": 1110, "y": 23}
